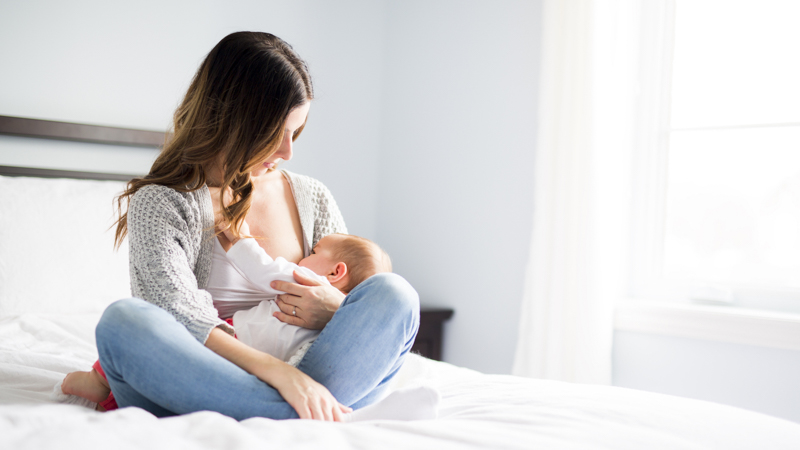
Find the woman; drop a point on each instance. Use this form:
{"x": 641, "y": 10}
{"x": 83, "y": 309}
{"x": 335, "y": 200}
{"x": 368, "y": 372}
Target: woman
{"x": 170, "y": 353}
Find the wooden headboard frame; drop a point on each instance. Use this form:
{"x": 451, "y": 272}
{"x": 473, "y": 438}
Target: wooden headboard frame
{"x": 48, "y": 129}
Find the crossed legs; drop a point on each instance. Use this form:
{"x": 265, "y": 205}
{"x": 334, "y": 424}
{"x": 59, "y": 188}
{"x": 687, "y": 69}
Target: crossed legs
{"x": 152, "y": 361}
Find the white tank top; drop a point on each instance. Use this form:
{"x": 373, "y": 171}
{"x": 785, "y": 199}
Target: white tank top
{"x": 228, "y": 286}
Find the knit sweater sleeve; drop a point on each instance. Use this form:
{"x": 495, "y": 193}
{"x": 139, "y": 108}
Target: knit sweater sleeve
{"x": 165, "y": 234}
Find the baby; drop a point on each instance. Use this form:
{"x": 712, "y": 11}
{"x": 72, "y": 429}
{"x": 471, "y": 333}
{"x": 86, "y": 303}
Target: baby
{"x": 343, "y": 261}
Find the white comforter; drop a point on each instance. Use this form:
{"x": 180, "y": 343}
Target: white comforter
{"x": 477, "y": 411}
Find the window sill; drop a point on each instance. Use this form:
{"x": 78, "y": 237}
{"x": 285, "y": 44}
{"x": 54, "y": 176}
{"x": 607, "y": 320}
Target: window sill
{"x": 716, "y": 323}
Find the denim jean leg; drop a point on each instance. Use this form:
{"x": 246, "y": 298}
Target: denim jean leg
{"x": 153, "y": 362}
{"x": 365, "y": 343}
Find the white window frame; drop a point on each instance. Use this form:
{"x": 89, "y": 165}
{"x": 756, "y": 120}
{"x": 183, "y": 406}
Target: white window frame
{"x": 764, "y": 317}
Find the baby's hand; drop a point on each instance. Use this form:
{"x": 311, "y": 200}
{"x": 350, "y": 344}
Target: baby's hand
{"x": 244, "y": 230}
{"x": 226, "y": 230}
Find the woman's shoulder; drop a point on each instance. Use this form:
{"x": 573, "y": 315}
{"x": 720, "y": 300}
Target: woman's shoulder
{"x": 317, "y": 207}
{"x": 309, "y": 192}
{"x": 164, "y": 201}
{"x": 160, "y": 194}
{"x": 306, "y": 185}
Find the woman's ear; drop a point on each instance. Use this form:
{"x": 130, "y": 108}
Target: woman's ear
{"x": 338, "y": 273}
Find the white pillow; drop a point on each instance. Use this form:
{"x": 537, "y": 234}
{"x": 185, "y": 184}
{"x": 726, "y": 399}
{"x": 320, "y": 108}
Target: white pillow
{"x": 56, "y": 248}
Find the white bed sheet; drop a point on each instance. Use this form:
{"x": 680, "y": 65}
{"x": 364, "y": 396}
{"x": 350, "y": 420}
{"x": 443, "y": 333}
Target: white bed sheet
{"x": 477, "y": 410}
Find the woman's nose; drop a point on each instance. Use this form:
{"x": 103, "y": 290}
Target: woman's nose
{"x": 285, "y": 150}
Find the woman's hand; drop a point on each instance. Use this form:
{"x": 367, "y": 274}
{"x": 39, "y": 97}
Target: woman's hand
{"x": 244, "y": 230}
{"x": 310, "y": 399}
{"x": 308, "y": 304}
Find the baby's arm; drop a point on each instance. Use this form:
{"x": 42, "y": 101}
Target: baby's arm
{"x": 261, "y": 269}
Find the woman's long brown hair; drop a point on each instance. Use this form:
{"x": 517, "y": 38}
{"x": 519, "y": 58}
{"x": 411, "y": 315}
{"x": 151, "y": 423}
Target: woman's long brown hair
{"x": 232, "y": 118}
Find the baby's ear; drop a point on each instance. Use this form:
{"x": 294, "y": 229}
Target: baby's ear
{"x": 338, "y": 273}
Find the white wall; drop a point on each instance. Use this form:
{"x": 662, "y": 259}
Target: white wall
{"x": 457, "y": 152}
{"x": 756, "y": 378}
{"x": 128, "y": 64}
{"x": 423, "y": 126}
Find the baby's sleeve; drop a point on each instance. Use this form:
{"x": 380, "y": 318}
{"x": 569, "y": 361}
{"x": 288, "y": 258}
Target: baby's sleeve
{"x": 261, "y": 269}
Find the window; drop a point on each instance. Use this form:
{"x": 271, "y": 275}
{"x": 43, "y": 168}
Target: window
{"x": 721, "y": 203}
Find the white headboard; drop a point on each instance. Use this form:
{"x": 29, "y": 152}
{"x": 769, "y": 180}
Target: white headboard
{"x": 56, "y": 249}
{"x": 56, "y": 245}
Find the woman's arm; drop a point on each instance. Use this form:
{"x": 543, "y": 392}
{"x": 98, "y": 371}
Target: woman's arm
{"x": 310, "y": 399}
{"x": 167, "y": 232}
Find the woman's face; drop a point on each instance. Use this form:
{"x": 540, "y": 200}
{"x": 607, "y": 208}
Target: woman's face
{"x": 295, "y": 119}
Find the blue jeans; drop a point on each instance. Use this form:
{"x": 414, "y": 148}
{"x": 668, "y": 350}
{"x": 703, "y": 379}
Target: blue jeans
{"x": 152, "y": 361}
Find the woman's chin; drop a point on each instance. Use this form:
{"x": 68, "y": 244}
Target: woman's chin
{"x": 261, "y": 171}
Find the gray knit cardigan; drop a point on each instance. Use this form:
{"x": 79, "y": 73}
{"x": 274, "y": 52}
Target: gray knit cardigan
{"x": 170, "y": 235}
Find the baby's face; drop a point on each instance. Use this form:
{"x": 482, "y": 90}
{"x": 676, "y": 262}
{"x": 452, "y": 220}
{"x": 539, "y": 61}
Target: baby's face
{"x": 321, "y": 260}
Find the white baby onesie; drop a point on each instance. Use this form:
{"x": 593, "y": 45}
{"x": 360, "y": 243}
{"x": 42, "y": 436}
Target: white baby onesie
{"x": 256, "y": 326}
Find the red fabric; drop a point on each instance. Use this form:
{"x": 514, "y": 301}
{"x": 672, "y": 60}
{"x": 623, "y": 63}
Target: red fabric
{"x": 229, "y": 321}
{"x": 110, "y": 402}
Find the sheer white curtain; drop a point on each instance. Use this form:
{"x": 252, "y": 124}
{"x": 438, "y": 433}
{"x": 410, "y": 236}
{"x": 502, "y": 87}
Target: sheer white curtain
{"x": 578, "y": 257}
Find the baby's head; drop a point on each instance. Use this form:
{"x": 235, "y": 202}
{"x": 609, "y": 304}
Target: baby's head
{"x": 346, "y": 260}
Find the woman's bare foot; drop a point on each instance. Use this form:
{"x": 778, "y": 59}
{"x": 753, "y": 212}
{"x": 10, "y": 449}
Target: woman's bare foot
{"x": 89, "y": 385}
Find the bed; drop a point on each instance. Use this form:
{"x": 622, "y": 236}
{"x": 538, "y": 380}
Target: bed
{"x": 53, "y": 287}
